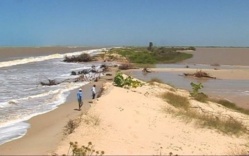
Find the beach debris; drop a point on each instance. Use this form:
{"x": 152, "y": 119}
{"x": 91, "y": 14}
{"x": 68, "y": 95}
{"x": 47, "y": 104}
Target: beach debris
{"x": 108, "y": 74}
{"x": 126, "y": 66}
{"x": 199, "y": 74}
{"x": 84, "y": 57}
{"x": 49, "y": 82}
{"x": 145, "y": 70}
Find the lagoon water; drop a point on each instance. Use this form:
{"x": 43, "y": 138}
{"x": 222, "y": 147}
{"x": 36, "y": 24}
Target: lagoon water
{"x": 22, "y": 96}
{"x": 236, "y": 91}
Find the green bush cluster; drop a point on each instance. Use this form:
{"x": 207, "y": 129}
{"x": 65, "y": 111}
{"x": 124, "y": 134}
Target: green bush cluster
{"x": 141, "y": 55}
{"x": 120, "y": 81}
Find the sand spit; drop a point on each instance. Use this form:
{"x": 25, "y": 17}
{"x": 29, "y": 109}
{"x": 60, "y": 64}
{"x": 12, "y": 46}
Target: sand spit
{"x": 134, "y": 121}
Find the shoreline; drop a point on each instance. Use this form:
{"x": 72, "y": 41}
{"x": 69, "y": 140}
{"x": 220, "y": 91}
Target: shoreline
{"x": 46, "y": 130}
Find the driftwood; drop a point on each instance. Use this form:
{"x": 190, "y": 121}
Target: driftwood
{"x": 199, "y": 74}
{"x": 145, "y": 70}
{"x": 84, "y": 75}
{"x": 102, "y": 68}
{"x": 126, "y": 66}
{"x": 49, "y": 83}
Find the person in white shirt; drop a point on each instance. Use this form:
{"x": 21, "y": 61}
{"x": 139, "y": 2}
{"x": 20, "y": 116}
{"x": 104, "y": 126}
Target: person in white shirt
{"x": 93, "y": 91}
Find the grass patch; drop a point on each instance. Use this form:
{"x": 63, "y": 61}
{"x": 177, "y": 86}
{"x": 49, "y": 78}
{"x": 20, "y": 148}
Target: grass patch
{"x": 176, "y": 100}
{"x": 202, "y": 119}
{"x": 227, "y": 126}
{"x": 201, "y": 97}
{"x": 231, "y": 105}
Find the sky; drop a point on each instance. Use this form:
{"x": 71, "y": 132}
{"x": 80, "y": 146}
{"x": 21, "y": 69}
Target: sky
{"x": 124, "y": 22}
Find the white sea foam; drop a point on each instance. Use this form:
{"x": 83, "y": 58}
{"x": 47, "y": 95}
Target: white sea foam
{"x": 13, "y": 132}
{"x": 59, "y": 97}
{"x": 29, "y": 60}
{"x": 14, "y": 129}
{"x": 43, "y": 58}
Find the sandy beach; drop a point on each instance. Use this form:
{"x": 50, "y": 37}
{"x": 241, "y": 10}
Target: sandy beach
{"x": 133, "y": 121}
{"x": 138, "y": 123}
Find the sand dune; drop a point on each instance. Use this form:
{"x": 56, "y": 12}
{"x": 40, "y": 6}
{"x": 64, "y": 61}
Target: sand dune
{"x": 134, "y": 122}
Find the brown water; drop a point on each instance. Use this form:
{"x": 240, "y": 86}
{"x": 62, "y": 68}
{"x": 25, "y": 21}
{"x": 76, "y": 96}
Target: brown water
{"x": 229, "y": 58}
{"x": 224, "y": 56}
{"x": 9, "y": 53}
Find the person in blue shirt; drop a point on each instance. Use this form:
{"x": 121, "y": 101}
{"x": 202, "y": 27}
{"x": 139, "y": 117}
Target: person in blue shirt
{"x": 80, "y": 97}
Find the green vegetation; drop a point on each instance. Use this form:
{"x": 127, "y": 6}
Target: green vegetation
{"x": 196, "y": 94}
{"x": 120, "y": 81}
{"x": 176, "y": 100}
{"x": 227, "y": 126}
{"x": 152, "y": 55}
{"x": 84, "y": 57}
{"x": 231, "y": 105}
{"x": 88, "y": 150}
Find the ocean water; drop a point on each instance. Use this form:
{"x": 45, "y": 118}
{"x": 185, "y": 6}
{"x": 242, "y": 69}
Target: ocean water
{"x": 22, "y": 96}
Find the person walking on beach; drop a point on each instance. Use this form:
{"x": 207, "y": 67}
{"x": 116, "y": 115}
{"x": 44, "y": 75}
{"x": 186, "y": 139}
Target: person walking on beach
{"x": 93, "y": 91}
{"x": 80, "y": 97}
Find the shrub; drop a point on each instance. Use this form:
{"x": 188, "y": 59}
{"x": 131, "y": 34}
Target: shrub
{"x": 83, "y": 150}
{"x": 120, "y": 81}
{"x": 201, "y": 97}
{"x": 71, "y": 126}
{"x": 196, "y": 94}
